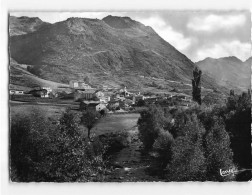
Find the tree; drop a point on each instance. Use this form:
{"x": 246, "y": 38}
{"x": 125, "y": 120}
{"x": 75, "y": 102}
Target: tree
{"x": 218, "y": 152}
{"x": 41, "y": 151}
{"x": 29, "y": 146}
{"x": 238, "y": 125}
{"x": 188, "y": 161}
{"x": 196, "y": 85}
{"x": 150, "y": 123}
{"x": 86, "y": 80}
{"x": 73, "y": 159}
{"x": 89, "y": 119}
{"x": 141, "y": 103}
{"x": 163, "y": 145}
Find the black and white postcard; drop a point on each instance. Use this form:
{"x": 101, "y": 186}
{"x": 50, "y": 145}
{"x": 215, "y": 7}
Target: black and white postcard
{"x": 129, "y": 96}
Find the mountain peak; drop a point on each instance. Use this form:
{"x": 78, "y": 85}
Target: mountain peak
{"x": 23, "y": 25}
{"x": 81, "y": 19}
{"x": 229, "y": 71}
{"x": 229, "y": 58}
{"x": 26, "y": 19}
{"x": 120, "y": 22}
{"x": 249, "y": 60}
{"x": 232, "y": 58}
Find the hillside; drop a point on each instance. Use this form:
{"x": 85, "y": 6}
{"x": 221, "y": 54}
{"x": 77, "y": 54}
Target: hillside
{"x": 113, "y": 51}
{"x": 229, "y": 72}
{"x": 20, "y": 78}
{"x": 24, "y": 25}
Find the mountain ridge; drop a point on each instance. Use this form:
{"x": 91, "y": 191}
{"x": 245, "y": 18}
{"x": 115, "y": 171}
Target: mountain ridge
{"x": 23, "y": 25}
{"x": 80, "y": 47}
{"x": 230, "y": 72}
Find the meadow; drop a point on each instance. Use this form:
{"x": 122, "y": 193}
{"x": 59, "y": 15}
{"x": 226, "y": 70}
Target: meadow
{"x": 107, "y": 124}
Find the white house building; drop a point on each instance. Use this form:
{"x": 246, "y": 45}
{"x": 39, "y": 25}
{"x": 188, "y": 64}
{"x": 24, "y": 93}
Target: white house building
{"x": 46, "y": 95}
{"x": 74, "y": 84}
{"x": 16, "y": 92}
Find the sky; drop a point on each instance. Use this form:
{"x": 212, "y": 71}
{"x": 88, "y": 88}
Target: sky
{"x": 197, "y": 34}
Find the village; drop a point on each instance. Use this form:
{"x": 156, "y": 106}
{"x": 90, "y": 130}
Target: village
{"x": 104, "y": 99}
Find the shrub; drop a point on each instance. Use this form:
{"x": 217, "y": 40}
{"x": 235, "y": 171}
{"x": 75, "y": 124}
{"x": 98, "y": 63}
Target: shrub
{"x": 36, "y": 70}
{"x": 115, "y": 141}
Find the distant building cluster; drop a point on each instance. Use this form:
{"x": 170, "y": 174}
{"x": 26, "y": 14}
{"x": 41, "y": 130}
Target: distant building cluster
{"x": 105, "y": 98}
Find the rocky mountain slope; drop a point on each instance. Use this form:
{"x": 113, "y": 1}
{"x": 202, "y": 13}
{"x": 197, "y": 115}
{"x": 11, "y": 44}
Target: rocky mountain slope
{"x": 22, "y": 79}
{"x": 113, "y": 51}
{"x": 229, "y": 72}
{"x": 24, "y": 25}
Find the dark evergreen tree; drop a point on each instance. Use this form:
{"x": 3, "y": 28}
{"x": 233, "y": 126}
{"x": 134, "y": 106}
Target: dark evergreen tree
{"x": 196, "y": 85}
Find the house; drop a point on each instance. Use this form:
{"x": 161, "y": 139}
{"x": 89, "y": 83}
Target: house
{"x": 65, "y": 95}
{"x": 151, "y": 100}
{"x": 183, "y": 97}
{"x": 16, "y": 92}
{"x": 100, "y": 107}
{"x": 99, "y": 94}
{"x": 84, "y": 105}
{"x": 105, "y": 99}
{"x": 74, "y": 84}
{"x": 84, "y": 95}
{"x": 48, "y": 92}
{"x": 94, "y": 105}
{"x": 133, "y": 92}
{"x": 38, "y": 92}
{"x": 136, "y": 98}
{"x": 105, "y": 87}
{"x": 124, "y": 93}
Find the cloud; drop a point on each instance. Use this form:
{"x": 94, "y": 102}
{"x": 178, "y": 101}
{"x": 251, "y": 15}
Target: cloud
{"x": 53, "y": 17}
{"x": 177, "y": 39}
{"x": 224, "y": 49}
{"x": 213, "y": 23}
{"x": 196, "y": 34}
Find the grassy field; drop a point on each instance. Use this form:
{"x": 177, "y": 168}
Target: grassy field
{"x": 26, "y": 109}
{"x": 110, "y": 123}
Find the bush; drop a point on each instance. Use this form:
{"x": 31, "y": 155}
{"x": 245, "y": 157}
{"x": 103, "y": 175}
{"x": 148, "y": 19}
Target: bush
{"x": 36, "y": 70}
{"x": 114, "y": 142}
{"x": 141, "y": 103}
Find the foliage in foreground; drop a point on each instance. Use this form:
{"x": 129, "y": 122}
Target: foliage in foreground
{"x": 40, "y": 151}
{"x": 194, "y": 144}
{"x": 150, "y": 123}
